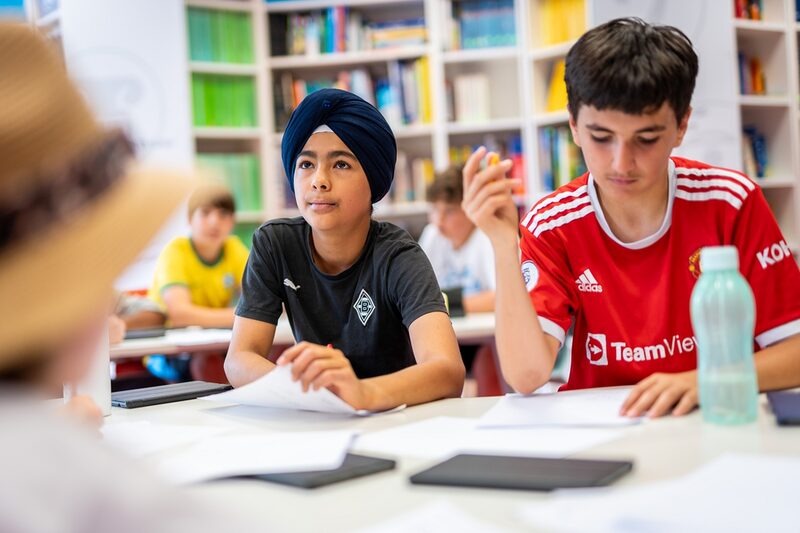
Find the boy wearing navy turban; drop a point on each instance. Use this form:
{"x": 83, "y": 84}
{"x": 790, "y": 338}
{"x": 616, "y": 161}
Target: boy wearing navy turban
{"x": 361, "y": 296}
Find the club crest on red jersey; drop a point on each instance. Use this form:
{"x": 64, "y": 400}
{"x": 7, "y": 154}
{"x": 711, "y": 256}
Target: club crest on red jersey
{"x": 694, "y": 263}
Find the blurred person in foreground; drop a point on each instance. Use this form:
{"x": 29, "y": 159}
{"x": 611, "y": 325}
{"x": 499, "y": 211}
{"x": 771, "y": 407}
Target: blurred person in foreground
{"x": 73, "y": 214}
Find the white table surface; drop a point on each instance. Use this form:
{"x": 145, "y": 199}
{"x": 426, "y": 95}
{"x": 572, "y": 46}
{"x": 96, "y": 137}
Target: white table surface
{"x": 661, "y": 449}
{"x": 472, "y": 328}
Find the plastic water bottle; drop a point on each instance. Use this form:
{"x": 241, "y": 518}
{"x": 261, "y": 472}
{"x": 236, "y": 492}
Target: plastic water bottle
{"x": 723, "y": 318}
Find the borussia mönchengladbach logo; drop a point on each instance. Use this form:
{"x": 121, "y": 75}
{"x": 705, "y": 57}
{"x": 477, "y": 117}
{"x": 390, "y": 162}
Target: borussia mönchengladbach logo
{"x": 364, "y": 306}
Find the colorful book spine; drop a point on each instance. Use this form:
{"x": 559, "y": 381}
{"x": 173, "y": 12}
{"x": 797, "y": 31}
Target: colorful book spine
{"x": 240, "y": 173}
{"x": 557, "y": 90}
{"x": 752, "y": 79}
{"x": 561, "y": 20}
{"x": 755, "y": 157}
{"x": 749, "y": 9}
{"x": 560, "y": 159}
{"x": 482, "y": 24}
{"x": 403, "y": 96}
{"x": 411, "y": 178}
{"x": 220, "y": 36}
{"x": 221, "y": 100}
{"x": 339, "y": 29}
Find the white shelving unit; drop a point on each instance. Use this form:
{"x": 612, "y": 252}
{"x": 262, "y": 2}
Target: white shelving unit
{"x": 519, "y": 78}
{"x": 774, "y": 41}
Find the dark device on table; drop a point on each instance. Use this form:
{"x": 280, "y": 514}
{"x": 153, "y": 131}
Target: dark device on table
{"x": 354, "y": 466}
{"x": 786, "y": 406}
{"x": 174, "y": 392}
{"x": 523, "y": 473}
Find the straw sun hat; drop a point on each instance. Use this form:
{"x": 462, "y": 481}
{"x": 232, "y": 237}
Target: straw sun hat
{"x": 74, "y": 212}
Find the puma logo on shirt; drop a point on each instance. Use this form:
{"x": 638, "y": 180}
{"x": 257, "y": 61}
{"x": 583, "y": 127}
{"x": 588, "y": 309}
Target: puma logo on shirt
{"x": 289, "y": 283}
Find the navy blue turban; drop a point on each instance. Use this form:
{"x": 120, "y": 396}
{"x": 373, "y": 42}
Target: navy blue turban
{"x": 357, "y": 123}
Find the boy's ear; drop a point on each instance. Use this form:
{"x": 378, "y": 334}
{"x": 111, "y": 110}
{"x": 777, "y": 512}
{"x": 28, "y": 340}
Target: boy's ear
{"x": 683, "y": 125}
{"x": 573, "y": 126}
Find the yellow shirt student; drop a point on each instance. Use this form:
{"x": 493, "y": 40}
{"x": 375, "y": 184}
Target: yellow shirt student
{"x": 214, "y": 285}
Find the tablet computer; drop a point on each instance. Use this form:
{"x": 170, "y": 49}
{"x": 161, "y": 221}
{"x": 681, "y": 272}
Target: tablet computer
{"x": 523, "y": 473}
{"x": 145, "y": 333}
{"x": 174, "y": 392}
{"x": 354, "y": 466}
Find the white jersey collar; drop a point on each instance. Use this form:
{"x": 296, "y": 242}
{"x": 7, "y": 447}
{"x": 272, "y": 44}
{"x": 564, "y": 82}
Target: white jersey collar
{"x": 647, "y": 241}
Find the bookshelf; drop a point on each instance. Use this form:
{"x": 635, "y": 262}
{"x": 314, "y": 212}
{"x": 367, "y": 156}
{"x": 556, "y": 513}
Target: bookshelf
{"x": 766, "y": 47}
{"x": 511, "y": 66}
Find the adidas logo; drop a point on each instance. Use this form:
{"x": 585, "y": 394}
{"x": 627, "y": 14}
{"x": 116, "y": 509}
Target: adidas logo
{"x": 587, "y": 282}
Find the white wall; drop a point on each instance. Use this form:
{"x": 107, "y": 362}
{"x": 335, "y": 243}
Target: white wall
{"x": 130, "y": 59}
{"x": 714, "y": 128}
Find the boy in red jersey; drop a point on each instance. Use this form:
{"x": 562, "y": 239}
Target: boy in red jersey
{"x": 616, "y": 250}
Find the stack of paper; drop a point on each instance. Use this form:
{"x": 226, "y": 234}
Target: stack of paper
{"x": 445, "y": 436}
{"x": 256, "y": 453}
{"x": 276, "y": 389}
{"x": 582, "y": 408}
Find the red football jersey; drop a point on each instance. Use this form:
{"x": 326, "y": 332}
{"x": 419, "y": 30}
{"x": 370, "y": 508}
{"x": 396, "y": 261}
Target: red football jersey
{"x": 630, "y": 301}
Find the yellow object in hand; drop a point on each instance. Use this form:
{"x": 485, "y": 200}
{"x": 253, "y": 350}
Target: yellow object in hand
{"x": 494, "y": 159}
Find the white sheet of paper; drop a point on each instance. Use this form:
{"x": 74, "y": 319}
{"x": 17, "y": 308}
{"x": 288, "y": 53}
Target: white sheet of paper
{"x": 256, "y": 453}
{"x": 141, "y": 438}
{"x": 435, "y": 518}
{"x": 733, "y": 493}
{"x": 445, "y": 436}
{"x": 276, "y": 389}
{"x": 581, "y": 408}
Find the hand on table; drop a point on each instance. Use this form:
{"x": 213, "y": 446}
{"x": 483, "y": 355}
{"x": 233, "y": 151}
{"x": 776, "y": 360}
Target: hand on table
{"x": 660, "y": 394}
{"x": 317, "y": 366}
{"x": 84, "y": 411}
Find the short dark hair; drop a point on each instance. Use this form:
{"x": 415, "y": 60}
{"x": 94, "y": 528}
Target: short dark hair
{"x": 631, "y": 66}
{"x": 213, "y": 195}
{"x": 447, "y": 186}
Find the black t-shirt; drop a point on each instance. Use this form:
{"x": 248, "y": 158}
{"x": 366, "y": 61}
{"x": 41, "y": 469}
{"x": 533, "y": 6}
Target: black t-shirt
{"x": 364, "y": 311}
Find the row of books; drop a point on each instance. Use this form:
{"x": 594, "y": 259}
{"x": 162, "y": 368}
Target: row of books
{"x": 508, "y": 147}
{"x": 220, "y": 36}
{"x": 754, "y": 152}
{"x": 412, "y": 175}
{"x": 340, "y": 29}
{"x": 749, "y": 9}
{"x": 403, "y": 95}
{"x": 560, "y": 159}
{"x": 557, "y": 88}
{"x": 240, "y": 173}
{"x": 290, "y": 90}
{"x": 468, "y": 98}
{"x": 219, "y": 100}
{"x": 751, "y": 75}
{"x": 479, "y": 24}
{"x": 560, "y": 21}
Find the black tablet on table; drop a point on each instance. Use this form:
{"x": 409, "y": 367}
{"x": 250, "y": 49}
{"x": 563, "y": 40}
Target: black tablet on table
{"x": 524, "y": 473}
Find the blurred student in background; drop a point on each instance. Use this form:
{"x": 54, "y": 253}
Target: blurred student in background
{"x": 463, "y": 261}
{"x": 198, "y": 279}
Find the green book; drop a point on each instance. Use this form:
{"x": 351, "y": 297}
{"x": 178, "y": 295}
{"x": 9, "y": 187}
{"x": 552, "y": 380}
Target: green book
{"x": 229, "y": 37}
{"x": 203, "y": 39}
{"x": 255, "y": 179}
{"x": 191, "y": 30}
{"x": 216, "y": 37}
{"x": 247, "y": 40}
